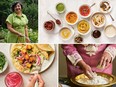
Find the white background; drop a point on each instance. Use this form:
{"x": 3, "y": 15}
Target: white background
{"x": 49, "y": 76}
{"x": 71, "y": 5}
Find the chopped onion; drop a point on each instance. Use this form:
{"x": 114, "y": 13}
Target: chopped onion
{"x": 38, "y": 60}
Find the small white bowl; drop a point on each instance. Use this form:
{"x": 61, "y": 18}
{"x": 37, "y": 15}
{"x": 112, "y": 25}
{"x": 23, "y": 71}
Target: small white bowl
{"x": 102, "y": 25}
{"x": 72, "y": 33}
{"x": 75, "y": 21}
{"x": 87, "y": 31}
{"x": 109, "y": 31}
{"x": 53, "y": 25}
{"x": 5, "y": 66}
{"x": 109, "y": 4}
{"x": 63, "y": 10}
{"x": 89, "y": 13}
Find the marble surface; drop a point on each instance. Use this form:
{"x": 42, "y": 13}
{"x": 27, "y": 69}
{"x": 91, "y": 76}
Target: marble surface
{"x": 49, "y": 76}
{"x": 71, "y": 5}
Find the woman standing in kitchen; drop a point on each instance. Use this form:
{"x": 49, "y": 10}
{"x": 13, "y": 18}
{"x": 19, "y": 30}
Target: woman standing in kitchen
{"x": 86, "y": 58}
{"x": 17, "y": 25}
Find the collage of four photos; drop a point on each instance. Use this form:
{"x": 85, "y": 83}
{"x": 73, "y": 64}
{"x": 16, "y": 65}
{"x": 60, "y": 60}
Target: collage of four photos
{"x": 57, "y": 43}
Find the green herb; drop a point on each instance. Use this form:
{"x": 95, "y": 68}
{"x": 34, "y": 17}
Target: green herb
{"x": 2, "y": 60}
{"x": 29, "y": 51}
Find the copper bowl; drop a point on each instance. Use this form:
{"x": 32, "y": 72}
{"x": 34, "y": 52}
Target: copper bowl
{"x": 111, "y": 78}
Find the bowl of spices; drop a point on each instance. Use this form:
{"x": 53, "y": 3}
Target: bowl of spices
{"x": 105, "y": 6}
{"x": 96, "y": 33}
{"x": 71, "y": 18}
{"x": 49, "y": 25}
{"x": 78, "y": 39}
{"x": 60, "y": 7}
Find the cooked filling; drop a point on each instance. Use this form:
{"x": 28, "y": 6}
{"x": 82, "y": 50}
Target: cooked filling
{"x": 98, "y": 19}
{"x": 29, "y": 57}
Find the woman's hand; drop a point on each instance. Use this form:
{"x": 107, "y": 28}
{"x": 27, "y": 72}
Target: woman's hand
{"x": 105, "y": 60}
{"x": 11, "y": 29}
{"x": 33, "y": 80}
{"x": 27, "y": 40}
{"x": 20, "y": 35}
{"x": 86, "y": 68}
{"x": 87, "y": 71}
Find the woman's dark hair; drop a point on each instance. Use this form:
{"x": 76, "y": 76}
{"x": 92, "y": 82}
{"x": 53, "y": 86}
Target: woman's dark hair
{"x": 14, "y": 4}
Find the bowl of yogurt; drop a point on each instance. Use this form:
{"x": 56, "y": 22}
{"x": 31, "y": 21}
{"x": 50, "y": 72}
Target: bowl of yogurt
{"x": 66, "y": 33}
{"x": 110, "y": 31}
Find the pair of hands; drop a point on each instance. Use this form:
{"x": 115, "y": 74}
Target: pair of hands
{"x": 27, "y": 38}
{"x": 105, "y": 62}
{"x": 33, "y": 80}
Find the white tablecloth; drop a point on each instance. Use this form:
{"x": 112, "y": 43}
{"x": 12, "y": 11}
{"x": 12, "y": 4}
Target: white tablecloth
{"x": 71, "y": 5}
{"x": 50, "y": 75}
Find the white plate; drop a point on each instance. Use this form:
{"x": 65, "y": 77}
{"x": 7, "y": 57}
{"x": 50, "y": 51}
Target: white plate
{"x": 46, "y": 63}
{"x": 6, "y": 64}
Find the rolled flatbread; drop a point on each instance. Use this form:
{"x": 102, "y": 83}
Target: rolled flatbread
{"x": 46, "y": 50}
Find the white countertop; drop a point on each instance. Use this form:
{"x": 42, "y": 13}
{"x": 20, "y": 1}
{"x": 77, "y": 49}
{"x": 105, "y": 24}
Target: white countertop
{"x": 49, "y": 76}
{"x": 71, "y": 5}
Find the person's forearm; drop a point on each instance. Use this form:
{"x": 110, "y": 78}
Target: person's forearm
{"x": 81, "y": 63}
{"x": 26, "y": 31}
{"x": 71, "y": 53}
{"x": 15, "y": 32}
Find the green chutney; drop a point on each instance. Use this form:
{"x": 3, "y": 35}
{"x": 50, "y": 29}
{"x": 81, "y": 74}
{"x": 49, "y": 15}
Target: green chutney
{"x": 60, "y": 7}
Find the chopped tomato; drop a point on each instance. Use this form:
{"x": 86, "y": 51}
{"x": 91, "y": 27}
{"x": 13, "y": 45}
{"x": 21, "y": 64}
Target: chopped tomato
{"x": 32, "y": 59}
{"x": 28, "y": 65}
{"x": 26, "y": 56}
